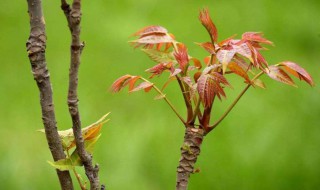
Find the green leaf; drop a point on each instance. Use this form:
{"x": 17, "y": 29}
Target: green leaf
{"x": 159, "y": 56}
{"x": 74, "y": 159}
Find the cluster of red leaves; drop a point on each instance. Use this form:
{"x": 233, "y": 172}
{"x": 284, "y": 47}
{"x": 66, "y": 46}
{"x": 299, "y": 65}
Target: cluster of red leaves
{"x": 237, "y": 56}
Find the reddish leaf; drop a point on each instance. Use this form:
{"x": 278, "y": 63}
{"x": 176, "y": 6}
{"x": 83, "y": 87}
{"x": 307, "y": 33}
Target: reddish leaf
{"x": 256, "y": 37}
{"x": 151, "y": 30}
{"x": 175, "y": 72}
{"x": 297, "y": 71}
{"x": 243, "y": 50}
{"x": 182, "y": 57}
{"x": 237, "y": 69}
{"x": 120, "y": 83}
{"x": 144, "y": 85}
{"x": 208, "y": 46}
{"x": 187, "y": 80}
{"x": 151, "y": 40}
{"x": 210, "y": 68}
{"x": 242, "y": 63}
{"x": 196, "y": 63}
{"x": 157, "y": 69}
{"x": 278, "y": 74}
{"x": 207, "y": 59}
{"x": 226, "y": 41}
{"x": 208, "y": 24}
{"x": 196, "y": 76}
{"x": 132, "y": 81}
{"x": 257, "y": 59}
{"x": 208, "y": 87}
{"x": 220, "y": 78}
{"x": 225, "y": 56}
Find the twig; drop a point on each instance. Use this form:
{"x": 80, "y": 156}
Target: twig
{"x": 73, "y": 16}
{"x": 36, "y": 46}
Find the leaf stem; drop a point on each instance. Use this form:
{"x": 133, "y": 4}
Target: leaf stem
{"x": 166, "y": 99}
{"x": 234, "y": 103}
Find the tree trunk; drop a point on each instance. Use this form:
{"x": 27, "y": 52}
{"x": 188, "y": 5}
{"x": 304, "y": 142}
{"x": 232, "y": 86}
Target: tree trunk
{"x": 190, "y": 151}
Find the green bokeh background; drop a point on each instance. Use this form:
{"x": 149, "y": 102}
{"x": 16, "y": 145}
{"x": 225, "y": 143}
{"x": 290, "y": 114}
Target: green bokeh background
{"x": 271, "y": 140}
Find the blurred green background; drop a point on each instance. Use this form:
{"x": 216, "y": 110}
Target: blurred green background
{"x": 271, "y": 140}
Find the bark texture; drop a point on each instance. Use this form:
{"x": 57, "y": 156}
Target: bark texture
{"x": 190, "y": 151}
{"x": 36, "y": 46}
{"x": 73, "y": 16}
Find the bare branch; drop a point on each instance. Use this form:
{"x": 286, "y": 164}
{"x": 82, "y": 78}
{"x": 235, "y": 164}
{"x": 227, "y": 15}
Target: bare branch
{"x": 36, "y": 46}
{"x": 73, "y": 16}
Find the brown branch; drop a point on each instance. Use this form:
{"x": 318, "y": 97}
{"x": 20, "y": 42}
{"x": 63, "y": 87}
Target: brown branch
{"x": 190, "y": 151}
{"x": 73, "y": 16}
{"x": 36, "y": 46}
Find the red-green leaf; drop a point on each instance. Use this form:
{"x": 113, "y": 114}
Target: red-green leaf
{"x": 120, "y": 83}
{"x": 182, "y": 57}
{"x": 297, "y": 71}
{"x": 278, "y": 74}
{"x": 258, "y": 83}
{"x": 243, "y": 50}
{"x": 256, "y": 37}
{"x": 151, "y": 30}
{"x": 208, "y": 87}
{"x": 196, "y": 63}
{"x": 151, "y": 40}
{"x": 159, "y": 56}
{"x": 157, "y": 69}
{"x": 208, "y": 46}
{"x": 208, "y": 24}
{"x": 225, "y": 56}
{"x": 144, "y": 85}
{"x": 237, "y": 69}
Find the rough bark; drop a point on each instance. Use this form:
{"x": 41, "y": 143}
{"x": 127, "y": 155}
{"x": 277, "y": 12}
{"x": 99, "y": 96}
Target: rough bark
{"x": 73, "y": 16}
{"x": 36, "y": 46}
{"x": 190, "y": 151}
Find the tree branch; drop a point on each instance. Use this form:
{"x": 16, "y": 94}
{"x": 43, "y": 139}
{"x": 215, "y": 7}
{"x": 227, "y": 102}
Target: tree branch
{"x": 36, "y": 46}
{"x": 73, "y": 16}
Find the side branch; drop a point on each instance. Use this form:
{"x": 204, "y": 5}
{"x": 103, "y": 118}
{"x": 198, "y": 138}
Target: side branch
{"x": 36, "y": 46}
{"x": 73, "y": 15}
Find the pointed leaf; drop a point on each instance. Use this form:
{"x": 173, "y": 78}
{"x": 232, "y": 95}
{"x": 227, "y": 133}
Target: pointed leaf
{"x": 175, "y": 72}
{"x": 235, "y": 68}
{"x": 182, "y": 57}
{"x": 157, "y": 69}
{"x": 208, "y": 24}
{"x": 152, "y": 39}
{"x": 225, "y": 56}
{"x": 278, "y": 74}
{"x": 143, "y": 85}
{"x": 208, "y": 46}
{"x": 208, "y": 87}
{"x": 258, "y": 83}
{"x": 74, "y": 159}
{"x": 159, "y": 56}
{"x": 256, "y": 37}
{"x": 151, "y": 30}
{"x": 119, "y": 83}
{"x": 297, "y": 71}
{"x": 159, "y": 97}
{"x": 196, "y": 63}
